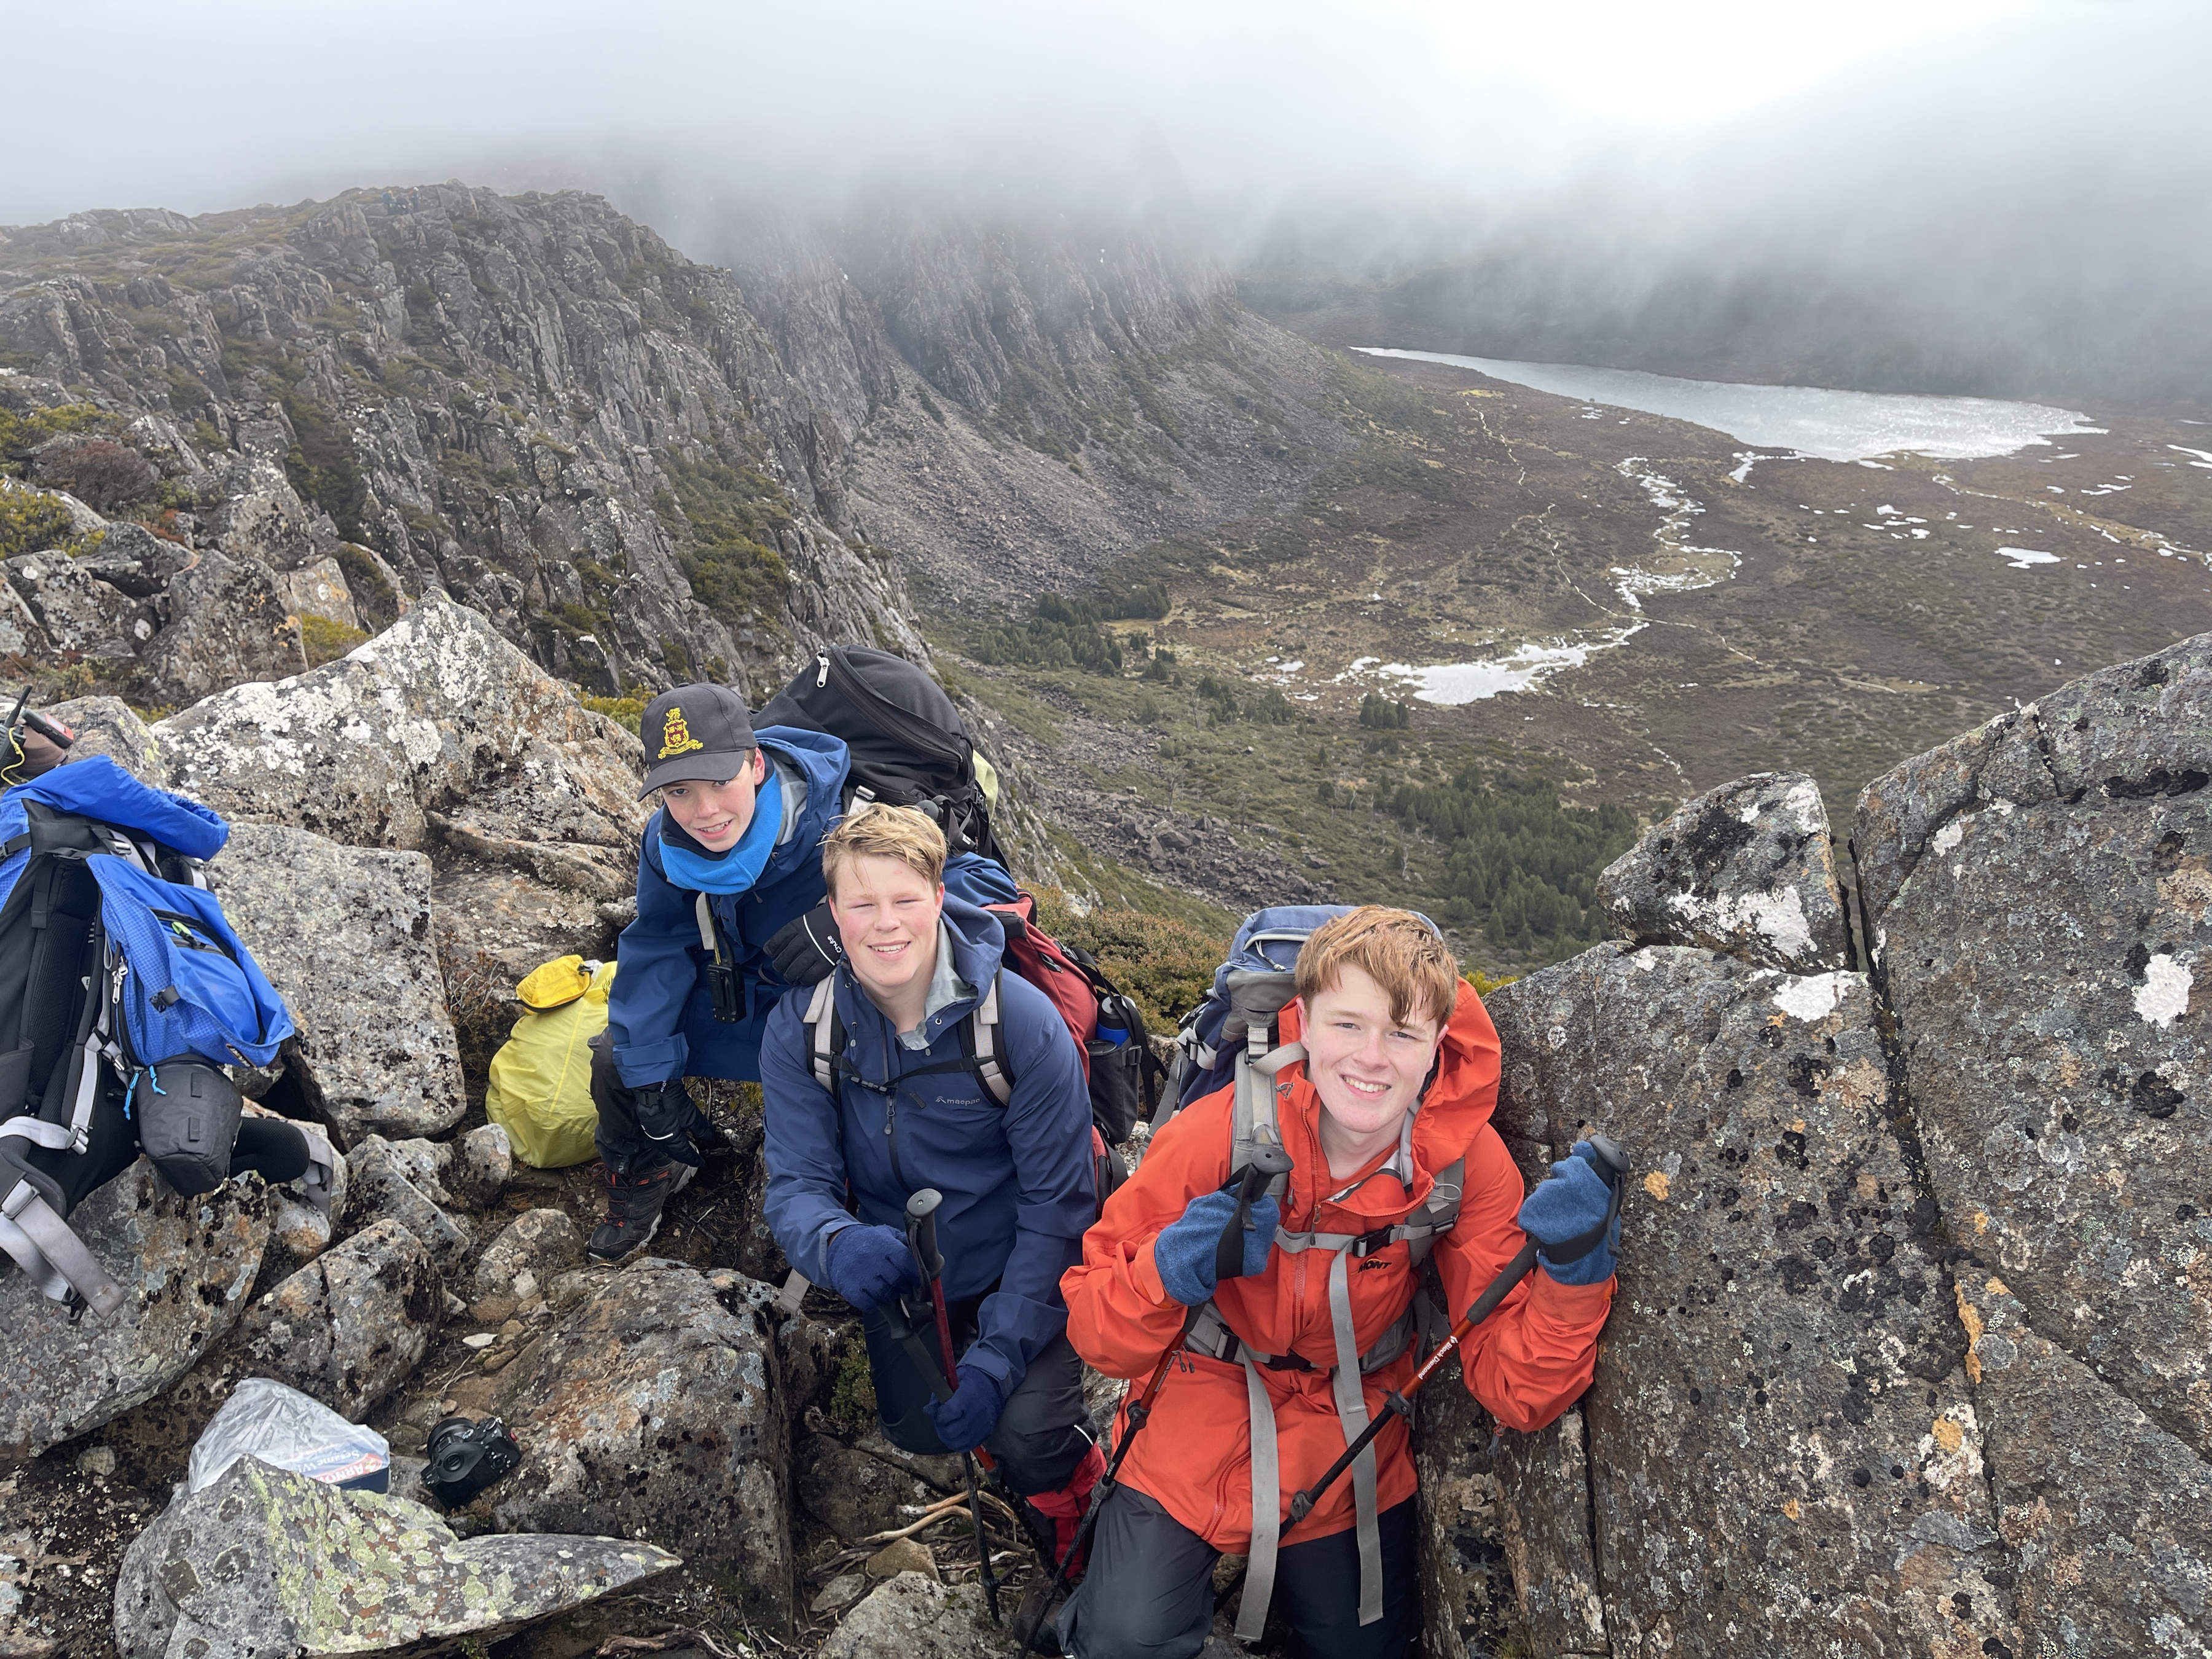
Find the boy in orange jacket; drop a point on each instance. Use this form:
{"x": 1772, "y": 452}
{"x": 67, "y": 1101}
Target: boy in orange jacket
{"x": 1395, "y": 1090}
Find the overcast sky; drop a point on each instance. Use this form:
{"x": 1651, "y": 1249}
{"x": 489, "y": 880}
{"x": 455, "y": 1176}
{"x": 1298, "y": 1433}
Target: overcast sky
{"x": 221, "y": 103}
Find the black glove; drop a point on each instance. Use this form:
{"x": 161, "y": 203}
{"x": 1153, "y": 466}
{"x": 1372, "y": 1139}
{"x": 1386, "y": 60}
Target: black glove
{"x": 806, "y": 952}
{"x": 664, "y": 1114}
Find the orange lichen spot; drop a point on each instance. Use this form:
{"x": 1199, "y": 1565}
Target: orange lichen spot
{"x": 1981, "y": 1221}
{"x": 1996, "y": 1287}
{"x": 1970, "y": 1317}
{"x": 1794, "y": 1510}
{"x": 1657, "y": 1185}
{"x": 1948, "y": 1434}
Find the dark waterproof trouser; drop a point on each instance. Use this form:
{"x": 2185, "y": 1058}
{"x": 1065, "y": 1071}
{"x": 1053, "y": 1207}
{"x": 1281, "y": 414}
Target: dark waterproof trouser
{"x": 673, "y": 1133}
{"x": 1042, "y": 1435}
{"x": 1149, "y": 1593}
{"x": 276, "y": 1150}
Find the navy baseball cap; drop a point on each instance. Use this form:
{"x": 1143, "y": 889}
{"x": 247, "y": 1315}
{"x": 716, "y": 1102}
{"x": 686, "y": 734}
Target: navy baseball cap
{"x": 695, "y": 734}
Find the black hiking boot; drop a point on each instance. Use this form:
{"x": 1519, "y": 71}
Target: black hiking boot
{"x": 633, "y": 1206}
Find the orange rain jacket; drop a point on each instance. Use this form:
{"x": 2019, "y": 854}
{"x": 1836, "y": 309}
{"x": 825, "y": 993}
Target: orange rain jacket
{"x": 1526, "y": 1364}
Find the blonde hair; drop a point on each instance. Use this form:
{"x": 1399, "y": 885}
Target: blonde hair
{"x": 1396, "y": 948}
{"x": 874, "y": 831}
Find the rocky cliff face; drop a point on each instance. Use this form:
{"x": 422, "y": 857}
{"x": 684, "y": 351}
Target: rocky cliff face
{"x": 641, "y": 469}
{"x": 531, "y": 402}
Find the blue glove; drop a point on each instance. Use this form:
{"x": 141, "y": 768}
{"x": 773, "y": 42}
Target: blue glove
{"x": 965, "y": 1421}
{"x": 869, "y": 1266}
{"x": 1184, "y": 1250}
{"x": 1568, "y": 1203}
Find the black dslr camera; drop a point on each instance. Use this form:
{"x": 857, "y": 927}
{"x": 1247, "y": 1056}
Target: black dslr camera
{"x": 466, "y": 1457}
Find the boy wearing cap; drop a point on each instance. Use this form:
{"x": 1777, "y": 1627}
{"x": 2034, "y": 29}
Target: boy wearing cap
{"x": 731, "y": 913}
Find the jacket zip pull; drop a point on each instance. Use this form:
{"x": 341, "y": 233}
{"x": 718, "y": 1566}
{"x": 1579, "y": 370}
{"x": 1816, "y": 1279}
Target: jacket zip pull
{"x": 822, "y": 672}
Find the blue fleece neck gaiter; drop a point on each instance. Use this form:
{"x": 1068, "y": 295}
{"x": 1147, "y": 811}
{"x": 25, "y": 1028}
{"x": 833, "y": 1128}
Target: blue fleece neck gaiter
{"x": 737, "y": 870}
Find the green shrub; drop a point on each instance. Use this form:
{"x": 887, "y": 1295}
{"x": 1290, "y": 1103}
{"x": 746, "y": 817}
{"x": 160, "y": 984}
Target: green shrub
{"x": 1379, "y": 713}
{"x": 31, "y": 521}
{"x": 625, "y": 711}
{"x": 21, "y": 434}
{"x": 732, "y": 515}
{"x": 1164, "y": 963}
{"x": 327, "y": 639}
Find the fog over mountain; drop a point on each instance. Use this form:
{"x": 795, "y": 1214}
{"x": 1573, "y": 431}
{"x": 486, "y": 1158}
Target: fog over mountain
{"x": 1976, "y": 196}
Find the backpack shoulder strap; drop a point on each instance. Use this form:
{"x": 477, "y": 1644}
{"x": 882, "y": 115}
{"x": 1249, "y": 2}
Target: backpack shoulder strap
{"x": 983, "y": 1037}
{"x": 825, "y": 1029}
{"x": 1254, "y": 1122}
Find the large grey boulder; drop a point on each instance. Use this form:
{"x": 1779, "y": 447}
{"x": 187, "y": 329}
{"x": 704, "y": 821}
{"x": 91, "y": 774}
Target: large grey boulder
{"x": 77, "y": 611}
{"x": 188, "y": 1264}
{"x": 344, "y": 932}
{"x": 21, "y": 634}
{"x": 223, "y": 622}
{"x": 1782, "y": 1445}
{"x": 352, "y": 1324}
{"x": 1747, "y": 869}
{"x": 913, "y": 1616}
{"x": 107, "y": 726}
{"x": 318, "y": 588}
{"x": 653, "y": 1411}
{"x": 437, "y": 714}
{"x": 2105, "y": 1510}
{"x": 381, "y": 1185}
{"x": 264, "y": 1562}
{"x": 2037, "y": 893}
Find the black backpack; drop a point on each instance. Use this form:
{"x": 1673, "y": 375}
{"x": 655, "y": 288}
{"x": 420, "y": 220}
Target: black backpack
{"x": 908, "y": 743}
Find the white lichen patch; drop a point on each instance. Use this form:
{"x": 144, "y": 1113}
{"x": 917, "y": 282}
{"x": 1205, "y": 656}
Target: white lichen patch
{"x": 1778, "y": 917}
{"x": 1811, "y": 996}
{"x": 1949, "y": 836}
{"x": 2163, "y": 997}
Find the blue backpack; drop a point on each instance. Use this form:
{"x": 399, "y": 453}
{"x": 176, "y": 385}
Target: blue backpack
{"x": 1249, "y": 989}
{"x": 121, "y": 984}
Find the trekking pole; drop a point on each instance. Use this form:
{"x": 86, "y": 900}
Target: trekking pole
{"x": 921, "y": 1239}
{"x": 1268, "y": 1161}
{"x": 1612, "y": 1163}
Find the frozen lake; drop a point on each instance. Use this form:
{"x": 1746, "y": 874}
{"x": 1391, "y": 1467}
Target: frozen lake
{"x": 1830, "y": 426}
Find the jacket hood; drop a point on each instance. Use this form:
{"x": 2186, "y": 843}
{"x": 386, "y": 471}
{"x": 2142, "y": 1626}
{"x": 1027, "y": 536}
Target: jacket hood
{"x": 98, "y": 787}
{"x": 1458, "y": 1102}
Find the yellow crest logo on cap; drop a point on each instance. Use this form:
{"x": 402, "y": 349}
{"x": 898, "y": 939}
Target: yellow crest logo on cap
{"x": 676, "y": 736}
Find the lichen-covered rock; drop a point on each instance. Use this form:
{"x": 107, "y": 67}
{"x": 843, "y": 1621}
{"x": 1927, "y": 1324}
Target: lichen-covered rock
{"x": 2048, "y": 965}
{"x": 298, "y": 1233}
{"x": 538, "y": 1243}
{"x": 135, "y": 561}
{"x": 189, "y": 1263}
{"x": 913, "y": 1616}
{"x": 223, "y": 623}
{"x": 506, "y": 923}
{"x": 2108, "y": 1516}
{"x": 1467, "y": 1599}
{"x": 480, "y": 1164}
{"x": 344, "y": 932}
{"x": 1782, "y": 1451}
{"x": 653, "y": 1411}
{"x": 351, "y": 1325}
{"x": 266, "y": 1562}
{"x": 1747, "y": 869}
{"x": 106, "y": 726}
{"x": 438, "y": 714}
{"x": 77, "y": 611}
{"x": 21, "y": 634}
{"x": 380, "y": 1186}
{"x": 319, "y": 589}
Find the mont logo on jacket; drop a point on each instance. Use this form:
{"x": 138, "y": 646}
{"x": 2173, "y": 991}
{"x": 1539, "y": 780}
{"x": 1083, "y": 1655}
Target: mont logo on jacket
{"x": 1526, "y": 1364}
{"x": 1016, "y": 1179}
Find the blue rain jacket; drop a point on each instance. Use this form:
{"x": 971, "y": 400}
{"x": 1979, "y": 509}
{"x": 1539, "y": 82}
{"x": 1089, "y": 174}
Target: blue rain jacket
{"x": 1016, "y": 1179}
{"x": 661, "y": 1015}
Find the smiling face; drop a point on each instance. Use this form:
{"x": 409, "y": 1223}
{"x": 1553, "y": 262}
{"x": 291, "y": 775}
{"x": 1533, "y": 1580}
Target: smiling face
{"x": 886, "y": 912}
{"x": 716, "y": 814}
{"x": 1367, "y": 1067}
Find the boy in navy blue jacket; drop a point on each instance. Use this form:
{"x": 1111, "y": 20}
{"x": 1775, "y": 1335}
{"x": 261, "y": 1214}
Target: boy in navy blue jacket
{"x": 730, "y": 915}
{"x": 903, "y": 1109}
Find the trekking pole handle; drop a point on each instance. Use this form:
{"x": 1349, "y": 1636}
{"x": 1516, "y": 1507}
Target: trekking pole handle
{"x": 921, "y": 1232}
{"x": 1268, "y": 1161}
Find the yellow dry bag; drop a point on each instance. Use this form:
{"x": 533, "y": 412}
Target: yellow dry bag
{"x": 540, "y": 1087}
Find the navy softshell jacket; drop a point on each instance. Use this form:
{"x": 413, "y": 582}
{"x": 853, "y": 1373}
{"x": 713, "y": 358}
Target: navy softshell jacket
{"x": 1016, "y": 1179}
{"x": 660, "y": 1014}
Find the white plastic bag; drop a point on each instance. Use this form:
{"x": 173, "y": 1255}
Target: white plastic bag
{"x": 263, "y": 1418}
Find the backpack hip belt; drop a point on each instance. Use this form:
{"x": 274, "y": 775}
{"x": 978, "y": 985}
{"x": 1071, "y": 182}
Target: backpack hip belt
{"x": 1210, "y": 1334}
